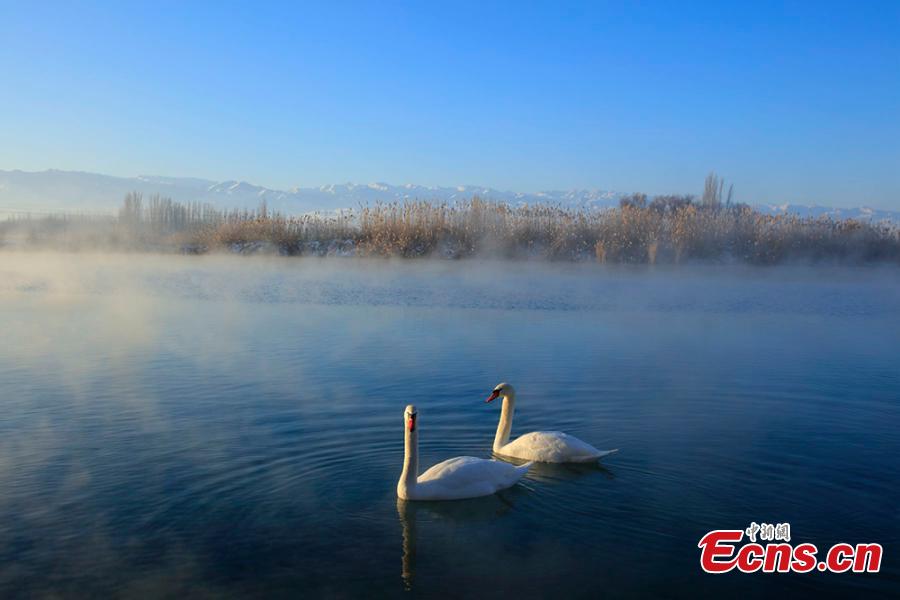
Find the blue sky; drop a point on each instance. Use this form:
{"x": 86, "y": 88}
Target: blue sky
{"x": 789, "y": 101}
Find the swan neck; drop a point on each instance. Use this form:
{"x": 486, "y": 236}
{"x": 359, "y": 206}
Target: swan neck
{"x": 506, "y": 417}
{"x": 410, "y": 472}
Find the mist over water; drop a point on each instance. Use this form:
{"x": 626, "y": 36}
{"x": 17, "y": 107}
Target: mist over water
{"x": 233, "y": 425}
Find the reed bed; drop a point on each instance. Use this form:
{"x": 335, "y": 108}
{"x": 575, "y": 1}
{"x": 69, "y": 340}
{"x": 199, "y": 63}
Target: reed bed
{"x": 666, "y": 229}
{"x": 658, "y": 232}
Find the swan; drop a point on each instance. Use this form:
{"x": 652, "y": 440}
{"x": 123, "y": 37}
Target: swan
{"x": 538, "y": 446}
{"x": 453, "y": 479}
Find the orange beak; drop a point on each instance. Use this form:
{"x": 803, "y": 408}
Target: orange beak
{"x": 494, "y": 395}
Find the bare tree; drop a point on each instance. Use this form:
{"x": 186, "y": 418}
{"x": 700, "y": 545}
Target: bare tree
{"x": 713, "y": 193}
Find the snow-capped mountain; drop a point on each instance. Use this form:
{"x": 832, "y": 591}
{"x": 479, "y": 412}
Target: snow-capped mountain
{"x": 862, "y": 213}
{"x": 68, "y": 191}
{"x": 56, "y": 191}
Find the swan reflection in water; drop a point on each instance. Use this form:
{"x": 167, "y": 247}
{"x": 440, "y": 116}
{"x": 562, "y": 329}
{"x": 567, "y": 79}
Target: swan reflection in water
{"x": 408, "y": 559}
{"x": 459, "y": 511}
{"x": 559, "y": 472}
{"x": 488, "y": 508}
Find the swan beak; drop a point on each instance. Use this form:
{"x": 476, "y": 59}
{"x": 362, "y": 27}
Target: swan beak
{"x": 411, "y": 423}
{"x": 494, "y": 395}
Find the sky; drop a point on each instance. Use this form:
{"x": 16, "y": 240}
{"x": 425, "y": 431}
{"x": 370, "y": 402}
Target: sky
{"x": 789, "y": 101}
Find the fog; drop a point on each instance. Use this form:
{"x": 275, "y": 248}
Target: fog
{"x": 131, "y": 287}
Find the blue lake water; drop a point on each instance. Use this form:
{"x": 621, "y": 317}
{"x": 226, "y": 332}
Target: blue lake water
{"x": 233, "y": 427}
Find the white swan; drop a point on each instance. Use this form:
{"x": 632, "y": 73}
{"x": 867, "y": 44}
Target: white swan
{"x": 453, "y": 479}
{"x": 538, "y": 446}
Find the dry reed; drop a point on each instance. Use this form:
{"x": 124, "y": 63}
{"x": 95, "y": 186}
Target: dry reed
{"x": 668, "y": 229}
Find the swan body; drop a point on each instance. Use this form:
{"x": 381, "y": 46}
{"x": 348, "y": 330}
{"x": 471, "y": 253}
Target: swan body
{"x": 466, "y": 477}
{"x": 455, "y": 478}
{"x": 552, "y": 447}
{"x": 538, "y": 446}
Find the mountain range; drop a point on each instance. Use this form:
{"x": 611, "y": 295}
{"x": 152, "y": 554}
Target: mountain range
{"x": 54, "y": 191}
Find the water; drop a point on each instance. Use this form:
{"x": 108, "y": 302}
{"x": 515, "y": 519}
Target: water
{"x": 233, "y": 427}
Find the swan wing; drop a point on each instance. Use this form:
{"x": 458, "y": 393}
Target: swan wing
{"x": 552, "y": 447}
{"x": 467, "y": 477}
